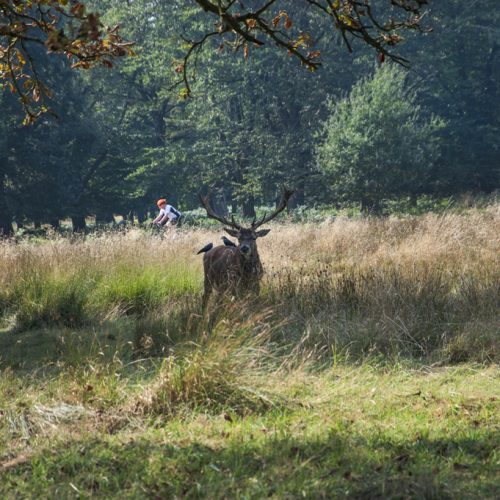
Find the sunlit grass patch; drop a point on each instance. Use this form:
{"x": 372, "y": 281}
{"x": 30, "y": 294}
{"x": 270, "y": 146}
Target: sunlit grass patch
{"x": 220, "y": 369}
{"x": 359, "y": 431}
{"x": 41, "y": 299}
{"x": 138, "y": 290}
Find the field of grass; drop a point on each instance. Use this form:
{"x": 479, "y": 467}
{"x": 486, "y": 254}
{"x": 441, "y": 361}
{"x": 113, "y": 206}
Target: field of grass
{"x": 367, "y": 368}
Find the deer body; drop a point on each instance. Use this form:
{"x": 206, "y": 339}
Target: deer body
{"x": 228, "y": 270}
{"x": 236, "y": 269}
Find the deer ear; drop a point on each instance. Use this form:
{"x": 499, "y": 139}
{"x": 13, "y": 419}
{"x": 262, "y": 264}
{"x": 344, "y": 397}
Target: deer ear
{"x": 262, "y": 232}
{"x": 231, "y": 232}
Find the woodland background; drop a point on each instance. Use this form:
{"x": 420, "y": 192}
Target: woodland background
{"x": 349, "y": 134}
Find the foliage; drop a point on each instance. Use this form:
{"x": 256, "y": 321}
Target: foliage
{"x": 463, "y": 86}
{"x": 61, "y": 26}
{"x": 239, "y": 26}
{"x": 123, "y": 139}
{"x": 378, "y": 143}
{"x": 65, "y": 26}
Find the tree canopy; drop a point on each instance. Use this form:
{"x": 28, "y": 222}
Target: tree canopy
{"x": 378, "y": 142}
{"x": 61, "y": 26}
{"x": 69, "y": 28}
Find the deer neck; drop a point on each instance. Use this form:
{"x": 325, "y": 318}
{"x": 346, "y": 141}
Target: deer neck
{"x": 250, "y": 265}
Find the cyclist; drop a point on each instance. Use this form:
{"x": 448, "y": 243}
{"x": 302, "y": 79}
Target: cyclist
{"x": 168, "y": 216}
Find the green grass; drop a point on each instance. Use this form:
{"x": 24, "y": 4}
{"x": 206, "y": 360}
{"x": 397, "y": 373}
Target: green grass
{"x": 358, "y": 431}
{"x": 74, "y": 298}
{"x": 139, "y": 292}
{"x": 366, "y": 368}
{"x": 224, "y": 414}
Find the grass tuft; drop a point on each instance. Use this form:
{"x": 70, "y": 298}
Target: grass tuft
{"x": 47, "y": 300}
{"x": 221, "y": 371}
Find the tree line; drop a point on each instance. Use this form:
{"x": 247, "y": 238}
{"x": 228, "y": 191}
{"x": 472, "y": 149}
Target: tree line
{"x": 359, "y": 130}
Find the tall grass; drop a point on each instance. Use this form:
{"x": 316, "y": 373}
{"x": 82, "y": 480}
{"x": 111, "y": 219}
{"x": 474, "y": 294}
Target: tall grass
{"x": 114, "y": 381}
{"x": 219, "y": 371}
{"x": 425, "y": 287}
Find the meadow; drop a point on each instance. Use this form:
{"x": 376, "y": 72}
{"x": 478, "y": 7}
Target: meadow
{"x": 366, "y": 368}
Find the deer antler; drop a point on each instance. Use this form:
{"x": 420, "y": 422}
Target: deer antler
{"x": 285, "y": 196}
{"x": 205, "y": 201}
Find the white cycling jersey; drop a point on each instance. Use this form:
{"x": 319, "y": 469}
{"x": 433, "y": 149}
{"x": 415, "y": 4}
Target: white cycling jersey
{"x": 170, "y": 212}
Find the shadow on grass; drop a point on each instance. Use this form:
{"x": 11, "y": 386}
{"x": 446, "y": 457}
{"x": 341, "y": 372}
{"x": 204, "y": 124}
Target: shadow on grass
{"x": 125, "y": 337}
{"x": 337, "y": 464}
{"x": 41, "y": 350}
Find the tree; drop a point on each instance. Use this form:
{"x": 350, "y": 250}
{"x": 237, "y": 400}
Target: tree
{"x": 378, "y": 142}
{"x": 463, "y": 86}
{"x": 68, "y": 165}
{"x": 123, "y": 138}
{"x": 67, "y": 28}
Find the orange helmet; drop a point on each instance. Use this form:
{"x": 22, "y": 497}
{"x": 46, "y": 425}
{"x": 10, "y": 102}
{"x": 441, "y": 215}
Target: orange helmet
{"x": 161, "y": 202}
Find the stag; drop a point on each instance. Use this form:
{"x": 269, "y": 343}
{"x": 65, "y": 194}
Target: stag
{"x": 237, "y": 268}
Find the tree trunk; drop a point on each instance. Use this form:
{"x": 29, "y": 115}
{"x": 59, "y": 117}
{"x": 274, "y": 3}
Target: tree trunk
{"x": 5, "y": 224}
{"x": 370, "y": 206}
{"x": 54, "y": 222}
{"x": 128, "y": 217}
{"x": 297, "y": 199}
{"x": 413, "y": 200}
{"x": 104, "y": 218}
{"x": 5, "y": 215}
{"x": 364, "y": 206}
{"x": 79, "y": 225}
{"x": 249, "y": 208}
{"x": 219, "y": 204}
{"x": 142, "y": 216}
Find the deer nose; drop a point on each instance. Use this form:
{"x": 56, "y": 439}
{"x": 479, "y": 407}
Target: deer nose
{"x": 245, "y": 248}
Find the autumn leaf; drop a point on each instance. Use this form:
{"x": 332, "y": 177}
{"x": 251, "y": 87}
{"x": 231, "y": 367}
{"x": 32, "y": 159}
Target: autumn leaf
{"x": 314, "y": 54}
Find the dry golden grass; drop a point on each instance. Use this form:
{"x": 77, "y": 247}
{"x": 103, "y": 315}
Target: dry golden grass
{"x": 457, "y": 242}
{"x": 413, "y": 285}
{"x": 114, "y": 382}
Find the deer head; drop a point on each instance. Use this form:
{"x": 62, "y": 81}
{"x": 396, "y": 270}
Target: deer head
{"x": 247, "y": 236}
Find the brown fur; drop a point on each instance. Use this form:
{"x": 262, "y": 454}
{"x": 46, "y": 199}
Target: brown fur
{"x": 237, "y": 270}
{"x": 228, "y": 269}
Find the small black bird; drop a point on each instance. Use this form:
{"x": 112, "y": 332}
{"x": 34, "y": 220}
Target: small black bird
{"x": 227, "y": 242}
{"x": 206, "y": 248}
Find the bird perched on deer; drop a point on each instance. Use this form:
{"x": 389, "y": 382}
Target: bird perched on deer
{"x": 236, "y": 268}
{"x": 206, "y": 248}
{"x": 227, "y": 242}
